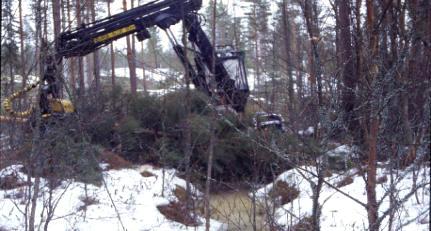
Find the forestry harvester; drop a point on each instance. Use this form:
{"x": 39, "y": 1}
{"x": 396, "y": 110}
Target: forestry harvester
{"x": 223, "y": 67}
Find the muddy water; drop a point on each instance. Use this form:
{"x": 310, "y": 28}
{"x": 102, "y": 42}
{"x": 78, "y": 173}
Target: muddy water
{"x": 235, "y": 209}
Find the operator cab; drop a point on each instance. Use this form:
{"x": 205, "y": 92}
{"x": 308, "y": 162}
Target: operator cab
{"x": 264, "y": 121}
{"x": 233, "y": 62}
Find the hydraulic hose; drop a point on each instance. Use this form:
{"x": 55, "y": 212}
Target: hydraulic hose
{"x": 8, "y": 102}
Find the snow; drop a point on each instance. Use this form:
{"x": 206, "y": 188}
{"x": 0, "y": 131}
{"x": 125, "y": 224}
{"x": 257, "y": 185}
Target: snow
{"x": 31, "y": 79}
{"x": 4, "y": 144}
{"x": 158, "y": 92}
{"x": 158, "y": 75}
{"x": 135, "y": 197}
{"x": 343, "y": 150}
{"x": 308, "y": 132}
{"x": 340, "y": 212}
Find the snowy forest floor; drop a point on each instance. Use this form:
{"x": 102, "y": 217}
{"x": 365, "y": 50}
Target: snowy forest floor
{"x": 148, "y": 198}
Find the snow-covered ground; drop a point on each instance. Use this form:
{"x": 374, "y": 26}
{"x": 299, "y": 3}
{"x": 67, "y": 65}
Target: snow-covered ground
{"x": 339, "y": 212}
{"x": 134, "y": 196}
{"x": 159, "y": 74}
{"x": 162, "y": 74}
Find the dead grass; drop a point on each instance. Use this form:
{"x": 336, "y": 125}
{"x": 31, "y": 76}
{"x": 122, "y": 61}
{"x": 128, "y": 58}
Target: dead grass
{"x": 147, "y": 174}
{"x": 177, "y": 211}
{"x": 345, "y": 181}
{"x": 11, "y": 181}
{"x": 305, "y": 224}
{"x": 181, "y": 194}
{"x": 11, "y": 157}
{"x": 382, "y": 179}
{"x": 284, "y": 191}
{"x": 114, "y": 160}
{"x": 327, "y": 173}
{"x": 87, "y": 202}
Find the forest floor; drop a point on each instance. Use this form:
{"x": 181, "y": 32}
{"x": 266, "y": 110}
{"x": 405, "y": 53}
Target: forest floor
{"x": 129, "y": 199}
{"x": 339, "y": 211}
{"x": 149, "y": 198}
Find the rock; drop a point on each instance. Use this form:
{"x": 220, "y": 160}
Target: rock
{"x": 339, "y": 158}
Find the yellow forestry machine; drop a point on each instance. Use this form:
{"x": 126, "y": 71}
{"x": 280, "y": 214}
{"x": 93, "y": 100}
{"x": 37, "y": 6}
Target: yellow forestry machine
{"x": 229, "y": 72}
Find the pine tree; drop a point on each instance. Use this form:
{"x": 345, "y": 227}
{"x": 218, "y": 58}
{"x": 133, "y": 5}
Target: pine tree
{"x": 258, "y": 39}
{"x": 56, "y": 18}
{"x": 22, "y": 48}
{"x": 131, "y": 60}
{"x": 96, "y": 64}
{"x": 81, "y": 82}
{"x": 225, "y": 30}
{"x": 154, "y": 48}
{"x": 9, "y": 48}
{"x": 112, "y": 51}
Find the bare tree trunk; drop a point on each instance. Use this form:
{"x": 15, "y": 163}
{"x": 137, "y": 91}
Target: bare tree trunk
{"x": 287, "y": 32}
{"x": 310, "y": 15}
{"x": 372, "y": 131}
{"x": 372, "y": 206}
{"x": 63, "y": 15}
{"x": 392, "y": 199}
{"x": 80, "y": 59}
{"x": 212, "y": 135}
{"x": 257, "y": 64}
{"x": 36, "y": 187}
{"x": 187, "y": 138}
{"x": 358, "y": 41}
{"x": 72, "y": 61}
{"x": 96, "y": 66}
{"x": 255, "y": 39}
{"x": 349, "y": 78}
{"x": 36, "y": 138}
{"x": 21, "y": 38}
{"x": 89, "y": 70}
{"x": 112, "y": 52}
{"x": 208, "y": 180}
{"x": 144, "y": 77}
{"x": 299, "y": 69}
{"x": 133, "y": 80}
{"x": 315, "y": 62}
{"x": 49, "y": 207}
{"x": 317, "y": 188}
{"x": 45, "y": 20}
{"x": 131, "y": 60}
{"x": 56, "y": 16}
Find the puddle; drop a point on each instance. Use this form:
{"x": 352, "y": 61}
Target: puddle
{"x": 235, "y": 208}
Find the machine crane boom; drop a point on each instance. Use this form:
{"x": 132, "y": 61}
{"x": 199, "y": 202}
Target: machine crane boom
{"x": 229, "y": 72}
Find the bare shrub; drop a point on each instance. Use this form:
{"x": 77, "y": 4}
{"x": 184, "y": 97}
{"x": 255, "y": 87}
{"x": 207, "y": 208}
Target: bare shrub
{"x": 87, "y": 201}
{"x": 382, "y": 179}
{"x": 284, "y": 191}
{"x": 11, "y": 181}
{"x": 115, "y": 161}
{"x": 345, "y": 181}
{"x": 305, "y": 224}
{"x": 180, "y": 193}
